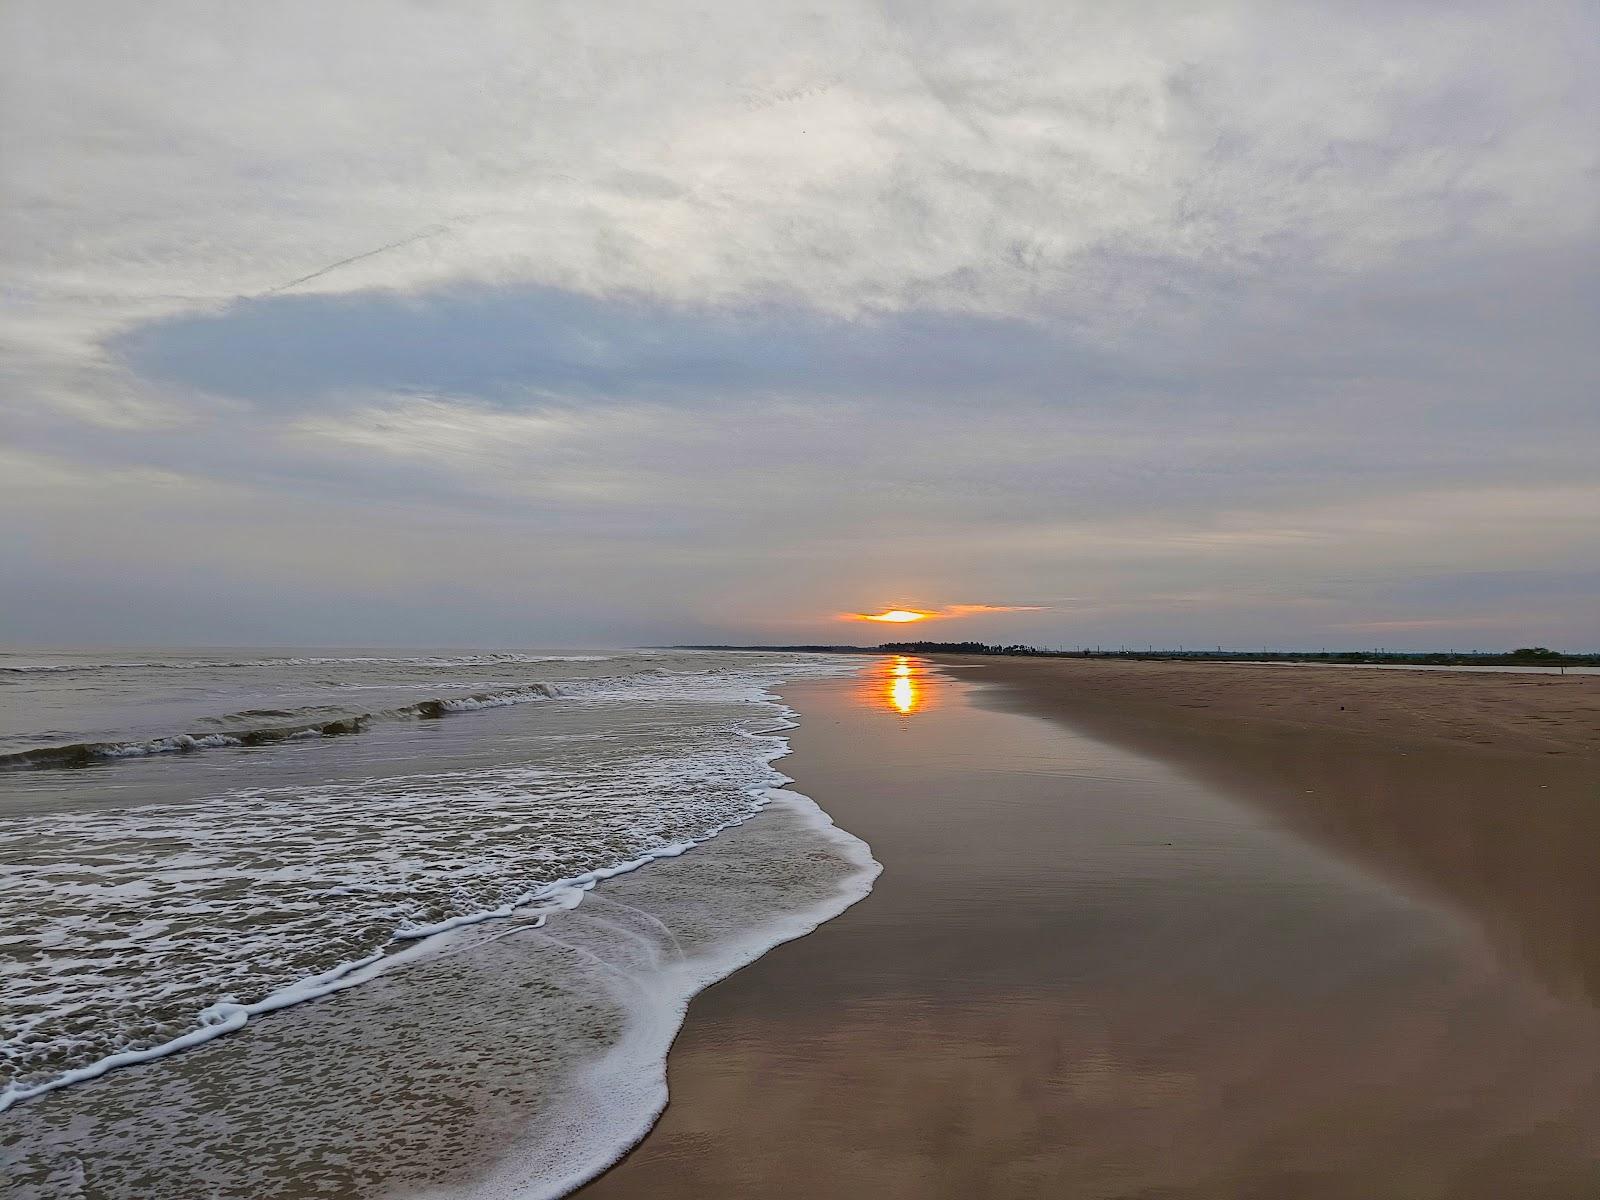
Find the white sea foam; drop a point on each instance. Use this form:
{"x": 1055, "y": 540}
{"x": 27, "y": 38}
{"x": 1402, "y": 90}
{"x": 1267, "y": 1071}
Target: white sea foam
{"x": 182, "y": 743}
{"x": 517, "y": 695}
{"x": 610, "y": 1103}
{"x": 563, "y": 1018}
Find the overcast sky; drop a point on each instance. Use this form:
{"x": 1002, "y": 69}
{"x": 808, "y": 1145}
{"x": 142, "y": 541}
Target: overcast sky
{"x": 542, "y": 324}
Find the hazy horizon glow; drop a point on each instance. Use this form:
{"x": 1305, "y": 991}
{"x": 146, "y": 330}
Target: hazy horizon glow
{"x": 907, "y": 615}
{"x": 517, "y": 324}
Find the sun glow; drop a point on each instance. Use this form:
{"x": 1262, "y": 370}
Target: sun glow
{"x": 904, "y": 616}
{"x": 898, "y": 616}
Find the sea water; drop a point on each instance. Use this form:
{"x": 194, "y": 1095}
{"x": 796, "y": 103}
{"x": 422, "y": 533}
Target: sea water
{"x": 191, "y": 840}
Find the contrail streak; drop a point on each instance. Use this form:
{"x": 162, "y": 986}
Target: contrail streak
{"x": 431, "y": 231}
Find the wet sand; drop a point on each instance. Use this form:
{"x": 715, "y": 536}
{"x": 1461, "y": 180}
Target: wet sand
{"x": 1091, "y": 972}
{"x": 1481, "y": 790}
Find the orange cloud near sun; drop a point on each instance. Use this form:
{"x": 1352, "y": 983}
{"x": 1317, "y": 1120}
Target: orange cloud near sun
{"x": 905, "y": 616}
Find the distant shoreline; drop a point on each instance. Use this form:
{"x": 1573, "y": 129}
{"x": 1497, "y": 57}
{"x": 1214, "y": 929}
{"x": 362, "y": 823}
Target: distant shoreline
{"x": 1533, "y": 658}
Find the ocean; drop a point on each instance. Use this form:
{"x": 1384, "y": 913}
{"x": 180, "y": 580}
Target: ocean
{"x": 190, "y": 840}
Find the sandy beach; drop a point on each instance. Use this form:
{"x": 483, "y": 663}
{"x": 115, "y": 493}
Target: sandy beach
{"x": 1157, "y": 930}
{"x": 1480, "y": 789}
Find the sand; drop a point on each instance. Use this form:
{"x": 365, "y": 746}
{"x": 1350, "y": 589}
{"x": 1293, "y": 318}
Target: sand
{"x": 1508, "y": 712}
{"x": 1128, "y": 946}
{"x": 1481, "y": 789}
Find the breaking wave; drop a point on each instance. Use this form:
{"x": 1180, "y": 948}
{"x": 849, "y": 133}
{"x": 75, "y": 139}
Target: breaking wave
{"x": 83, "y": 754}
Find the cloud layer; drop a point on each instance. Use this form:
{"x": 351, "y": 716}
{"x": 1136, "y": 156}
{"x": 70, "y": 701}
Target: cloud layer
{"x": 511, "y": 323}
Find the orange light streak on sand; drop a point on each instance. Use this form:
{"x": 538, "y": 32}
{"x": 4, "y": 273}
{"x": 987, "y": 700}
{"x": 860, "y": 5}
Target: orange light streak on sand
{"x": 899, "y": 684}
{"x": 903, "y": 693}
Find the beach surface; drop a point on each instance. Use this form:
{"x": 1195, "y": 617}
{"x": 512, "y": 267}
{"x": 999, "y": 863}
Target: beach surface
{"x": 1161, "y": 930}
{"x": 1478, "y": 789}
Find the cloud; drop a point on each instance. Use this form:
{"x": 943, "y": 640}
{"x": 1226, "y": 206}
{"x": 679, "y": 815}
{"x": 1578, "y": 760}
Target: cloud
{"x": 972, "y": 610}
{"x": 1256, "y": 319}
{"x": 1016, "y": 163}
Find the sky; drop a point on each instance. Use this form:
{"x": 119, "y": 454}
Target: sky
{"x": 540, "y": 324}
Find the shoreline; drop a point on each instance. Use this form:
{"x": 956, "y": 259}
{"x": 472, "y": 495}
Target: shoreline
{"x": 635, "y": 1068}
{"x": 519, "y": 1059}
{"x": 1086, "y": 971}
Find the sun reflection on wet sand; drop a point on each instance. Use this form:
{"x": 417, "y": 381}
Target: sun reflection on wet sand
{"x": 901, "y": 684}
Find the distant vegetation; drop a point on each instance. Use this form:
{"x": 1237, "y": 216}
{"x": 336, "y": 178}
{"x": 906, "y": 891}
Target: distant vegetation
{"x": 1541, "y": 656}
{"x": 1536, "y": 656}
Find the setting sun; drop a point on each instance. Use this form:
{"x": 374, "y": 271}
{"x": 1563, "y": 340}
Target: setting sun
{"x": 898, "y": 615}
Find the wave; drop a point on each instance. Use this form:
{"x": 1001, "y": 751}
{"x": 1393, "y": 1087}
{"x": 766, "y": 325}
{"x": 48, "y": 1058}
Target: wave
{"x": 409, "y": 942}
{"x": 406, "y": 944}
{"x": 612, "y": 1101}
{"x": 417, "y": 931}
{"x": 84, "y": 754}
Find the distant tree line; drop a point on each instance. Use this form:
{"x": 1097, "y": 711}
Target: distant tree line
{"x": 1538, "y": 656}
{"x": 1525, "y": 656}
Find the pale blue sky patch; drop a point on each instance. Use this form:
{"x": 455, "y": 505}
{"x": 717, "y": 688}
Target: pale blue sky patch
{"x": 510, "y": 343}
